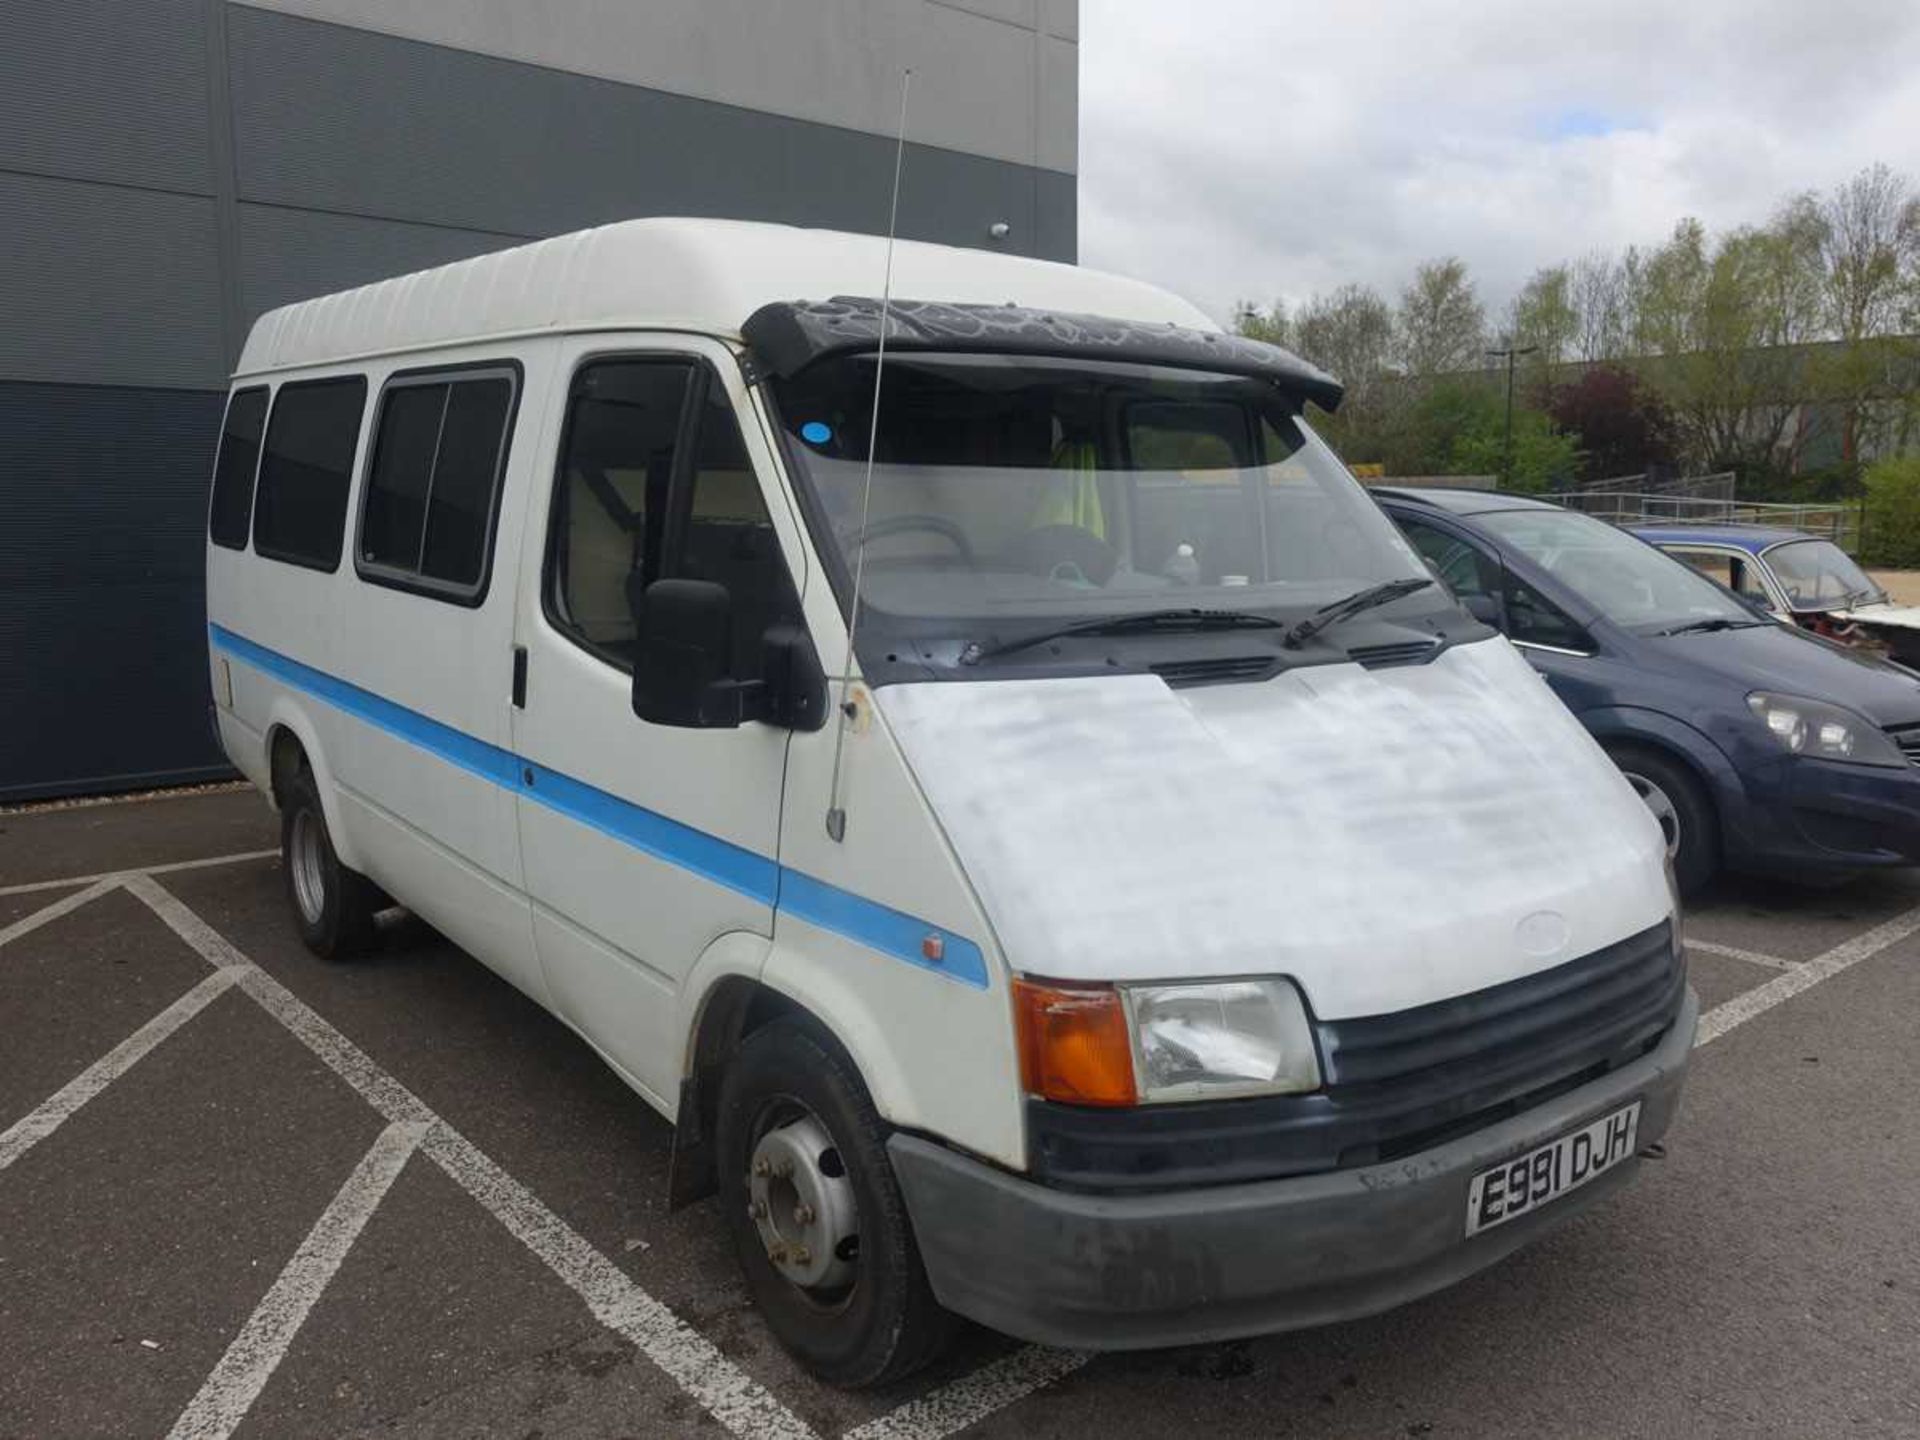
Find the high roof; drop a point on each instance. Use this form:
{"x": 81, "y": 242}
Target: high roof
{"x": 702, "y": 276}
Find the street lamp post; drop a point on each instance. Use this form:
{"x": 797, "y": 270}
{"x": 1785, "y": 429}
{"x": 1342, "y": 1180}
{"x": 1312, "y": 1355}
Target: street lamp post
{"x": 1509, "y": 354}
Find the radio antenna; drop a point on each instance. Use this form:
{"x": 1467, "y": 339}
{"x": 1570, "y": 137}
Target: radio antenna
{"x": 836, "y": 812}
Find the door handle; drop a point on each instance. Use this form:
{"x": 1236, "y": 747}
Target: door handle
{"x": 519, "y": 677}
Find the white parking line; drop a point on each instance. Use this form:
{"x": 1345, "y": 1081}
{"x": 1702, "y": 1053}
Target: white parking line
{"x": 66, "y": 906}
{"x": 236, "y": 1382}
{"x": 960, "y": 1403}
{"x": 1732, "y": 952}
{"x": 55, "y": 1111}
{"x": 734, "y": 1398}
{"x": 168, "y": 868}
{"x": 1762, "y": 998}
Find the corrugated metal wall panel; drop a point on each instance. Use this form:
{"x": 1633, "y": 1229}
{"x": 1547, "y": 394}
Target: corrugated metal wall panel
{"x": 102, "y": 615}
{"x": 108, "y": 286}
{"x": 335, "y": 119}
{"x": 356, "y": 155}
{"x": 104, "y": 90}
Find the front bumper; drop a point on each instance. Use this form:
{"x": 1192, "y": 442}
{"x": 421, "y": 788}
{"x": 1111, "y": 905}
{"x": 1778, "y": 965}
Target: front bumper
{"x": 1856, "y": 815}
{"x": 1137, "y": 1271}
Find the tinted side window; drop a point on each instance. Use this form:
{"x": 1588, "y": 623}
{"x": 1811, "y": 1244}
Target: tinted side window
{"x": 434, "y": 482}
{"x": 1532, "y": 618}
{"x": 300, "y": 511}
{"x": 730, "y": 539}
{"x": 610, "y": 496}
{"x": 231, "y": 513}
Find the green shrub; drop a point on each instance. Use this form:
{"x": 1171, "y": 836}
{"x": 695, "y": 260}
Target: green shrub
{"x": 1892, "y": 529}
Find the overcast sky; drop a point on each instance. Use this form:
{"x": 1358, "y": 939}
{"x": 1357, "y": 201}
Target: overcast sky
{"x": 1250, "y": 149}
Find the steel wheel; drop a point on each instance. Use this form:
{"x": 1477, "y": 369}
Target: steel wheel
{"x": 307, "y": 866}
{"x": 802, "y": 1204}
{"x": 817, "y": 1219}
{"x": 1662, "y": 806}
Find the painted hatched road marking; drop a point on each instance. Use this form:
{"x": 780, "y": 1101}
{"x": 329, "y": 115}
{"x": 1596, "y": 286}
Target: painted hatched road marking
{"x": 734, "y": 1398}
{"x": 974, "y": 1396}
{"x": 1844, "y": 956}
{"x": 58, "y": 1108}
{"x": 249, "y": 1362}
{"x": 1734, "y": 952}
{"x": 168, "y": 868}
{"x": 27, "y": 924}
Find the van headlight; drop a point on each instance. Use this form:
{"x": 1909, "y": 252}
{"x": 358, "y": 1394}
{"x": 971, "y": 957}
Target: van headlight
{"x": 1826, "y": 732}
{"x": 1217, "y": 1039}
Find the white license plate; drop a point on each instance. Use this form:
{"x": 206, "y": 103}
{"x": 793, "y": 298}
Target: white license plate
{"x": 1523, "y": 1184}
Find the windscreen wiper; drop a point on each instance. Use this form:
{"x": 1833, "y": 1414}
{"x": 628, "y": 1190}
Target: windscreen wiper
{"x": 1367, "y": 599}
{"x": 1717, "y": 622}
{"x": 1142, "y": 622}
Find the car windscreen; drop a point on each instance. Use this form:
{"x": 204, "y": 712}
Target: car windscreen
{"x": 1819, "y": 575}
{"x": 1052, "y": 491}
{"x": 1628, "y": 581}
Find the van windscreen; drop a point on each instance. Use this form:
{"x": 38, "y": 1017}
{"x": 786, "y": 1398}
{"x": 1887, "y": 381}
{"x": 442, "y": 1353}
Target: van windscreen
{"x": 1021, "y": 489}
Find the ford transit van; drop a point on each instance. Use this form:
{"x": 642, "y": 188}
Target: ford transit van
{"x": 977, "y": 764}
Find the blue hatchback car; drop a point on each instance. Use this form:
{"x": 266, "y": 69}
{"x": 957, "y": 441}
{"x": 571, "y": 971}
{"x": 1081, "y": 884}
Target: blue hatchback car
{"x": 1758, "y": 747}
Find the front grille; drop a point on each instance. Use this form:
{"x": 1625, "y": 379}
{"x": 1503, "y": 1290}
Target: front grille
{"x": 1394, "y": 1084}
{"x": 1220, "y": 670}
{"x": 1907, "y": 737}
{"x": 1400, "y": 652}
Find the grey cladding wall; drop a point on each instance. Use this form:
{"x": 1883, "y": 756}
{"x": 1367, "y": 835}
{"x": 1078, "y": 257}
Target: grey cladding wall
{"x": 102, "y": 620}
{"x": 171, "y": 168}
{"x": 334, "y": 119}
{"x": 106, "y": 90}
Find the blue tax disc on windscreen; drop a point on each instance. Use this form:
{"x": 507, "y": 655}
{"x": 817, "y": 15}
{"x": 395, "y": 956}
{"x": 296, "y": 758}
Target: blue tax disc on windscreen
{"x": 816, "y": 432}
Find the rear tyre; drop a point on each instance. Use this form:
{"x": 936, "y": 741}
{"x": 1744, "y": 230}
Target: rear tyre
{"x": 333, "y": 907}
{"x": 1679, "y": 802}
{"x": 815, "y": 1214}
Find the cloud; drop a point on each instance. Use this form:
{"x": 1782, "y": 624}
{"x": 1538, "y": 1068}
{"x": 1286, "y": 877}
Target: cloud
{"x": 1254, "y": 149}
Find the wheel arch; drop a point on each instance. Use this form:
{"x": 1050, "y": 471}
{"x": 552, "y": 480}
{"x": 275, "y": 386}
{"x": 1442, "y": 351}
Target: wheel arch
{"x": 290, "y": 737}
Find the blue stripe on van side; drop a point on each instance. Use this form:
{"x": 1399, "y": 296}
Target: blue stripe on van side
{"x": 456, "y": 747}
{"x": 758, "y": 877}
{"x": 721, "y": 861}
{"x": 892, "y": 932}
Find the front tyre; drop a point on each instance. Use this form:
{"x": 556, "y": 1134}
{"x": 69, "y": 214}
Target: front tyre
{"x": 815, "y": 1214}
{"x": 1680, "y": 805}
{"x": 333, "y": 907}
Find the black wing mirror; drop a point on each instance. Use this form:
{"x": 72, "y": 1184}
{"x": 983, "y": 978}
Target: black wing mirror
{"x": 683, "y": 655}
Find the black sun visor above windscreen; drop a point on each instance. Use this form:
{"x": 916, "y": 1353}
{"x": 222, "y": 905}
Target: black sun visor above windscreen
{"x": 787, "y": 336}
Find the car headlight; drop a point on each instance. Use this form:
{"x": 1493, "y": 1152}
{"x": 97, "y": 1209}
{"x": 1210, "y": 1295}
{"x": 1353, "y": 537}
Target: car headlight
{"x": 1216, "y": 1039}
{"x": 1826, "y": 732}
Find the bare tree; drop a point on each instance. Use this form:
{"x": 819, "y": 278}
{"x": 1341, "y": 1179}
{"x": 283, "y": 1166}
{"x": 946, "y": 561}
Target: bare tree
{"x": 1869, "y": 246}
{"x": 1442, "y": 325}
{"x": 1604, "y": 299}
{"x": 1349, "y": 334}
{"x": 1543, "y": 316}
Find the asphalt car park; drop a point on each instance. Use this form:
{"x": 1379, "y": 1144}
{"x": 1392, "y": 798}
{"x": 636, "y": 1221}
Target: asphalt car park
{"x": 246, "y": 1192}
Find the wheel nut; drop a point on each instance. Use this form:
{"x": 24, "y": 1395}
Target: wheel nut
{"x": 803, "y": 1214}
{"x": 761, "y": 1167}
{"x": 784, "y": 1170}
{"x": 778, "y": 1254}
{"x": 758, "y": 1209}
{"x": 801, "y": 1255}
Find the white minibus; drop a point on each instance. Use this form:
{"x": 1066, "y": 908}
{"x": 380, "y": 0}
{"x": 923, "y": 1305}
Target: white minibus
{"x": 966, "y": 754}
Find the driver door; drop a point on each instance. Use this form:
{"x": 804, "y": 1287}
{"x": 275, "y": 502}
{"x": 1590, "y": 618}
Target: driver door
{"x": 643, "y": 843}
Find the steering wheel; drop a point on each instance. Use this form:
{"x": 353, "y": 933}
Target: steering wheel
{"x": 907, "y": 524}
{"x": 1045, "y": 548}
